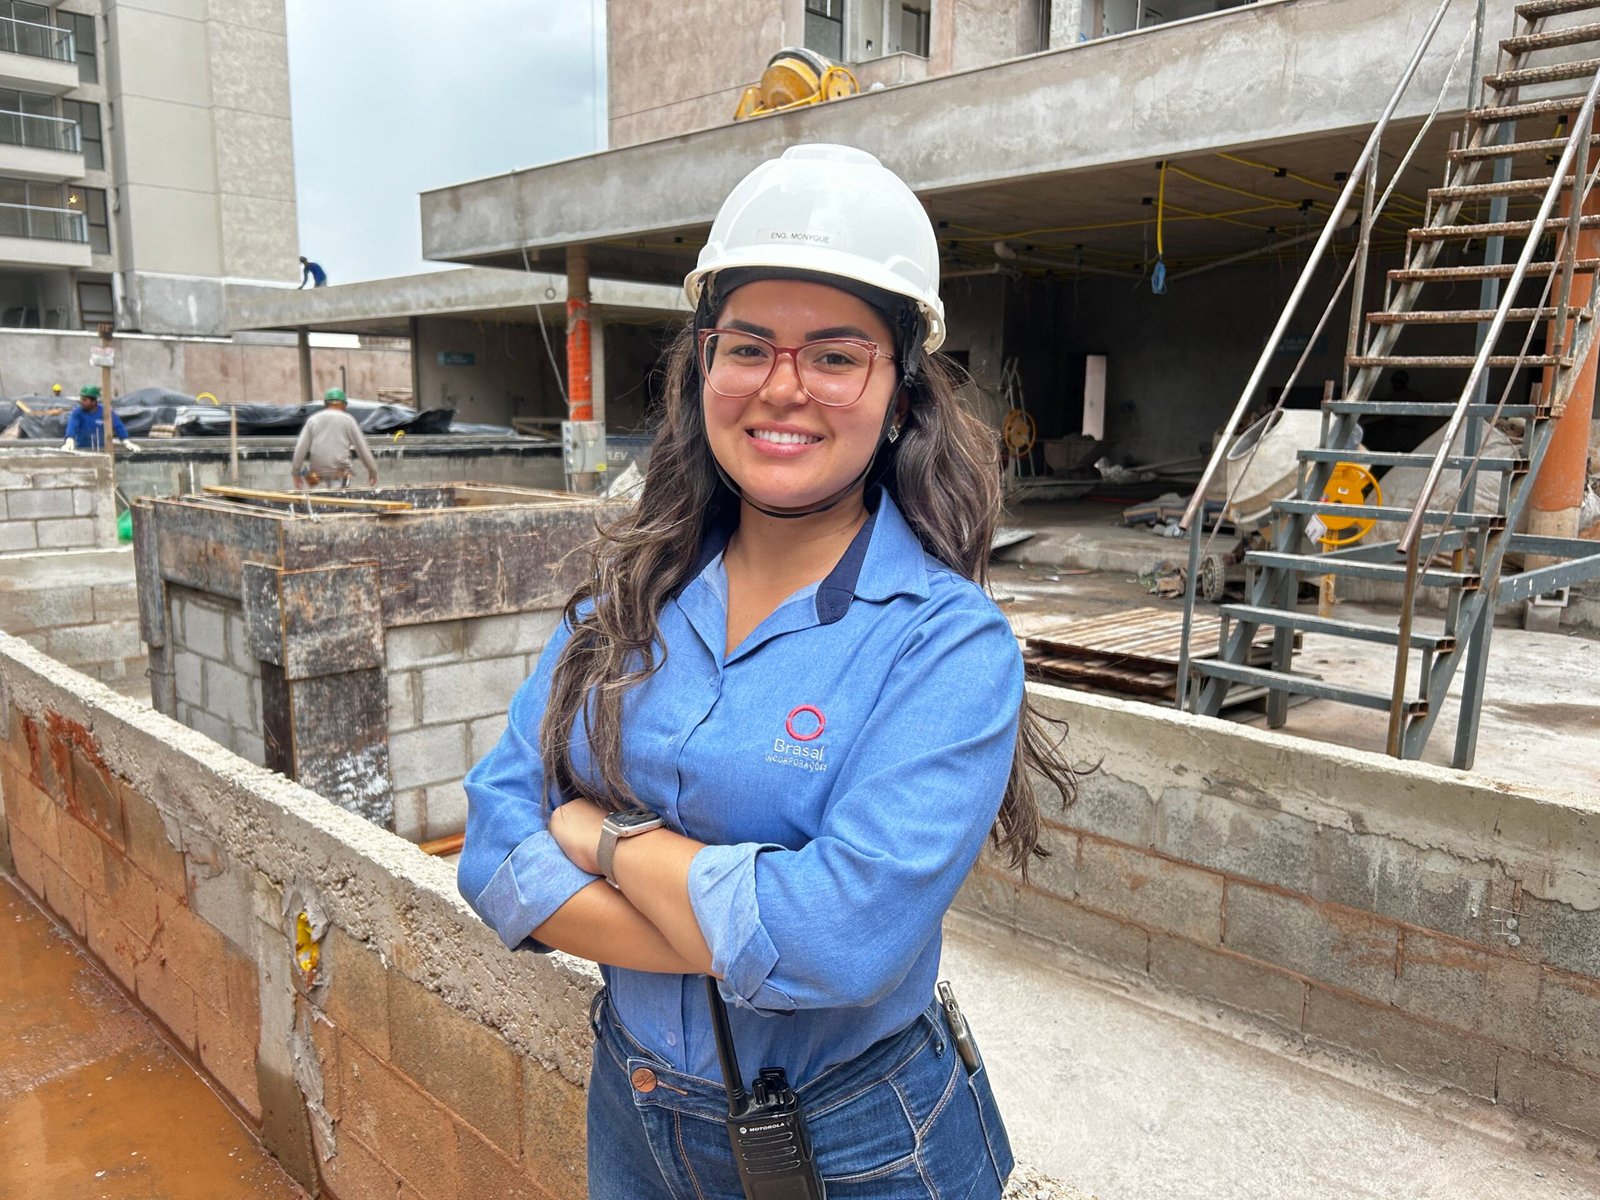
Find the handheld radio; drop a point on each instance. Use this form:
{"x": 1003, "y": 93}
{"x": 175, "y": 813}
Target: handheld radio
{"x": 767, "y": 1130}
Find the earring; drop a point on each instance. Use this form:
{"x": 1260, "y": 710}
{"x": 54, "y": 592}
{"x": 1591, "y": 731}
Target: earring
{"x": 894, "y": 432}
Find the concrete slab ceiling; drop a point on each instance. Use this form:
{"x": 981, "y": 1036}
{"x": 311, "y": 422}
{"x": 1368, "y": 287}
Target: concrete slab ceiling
{"x": 384, "y": 307}
{"x": 1259, "y": 108}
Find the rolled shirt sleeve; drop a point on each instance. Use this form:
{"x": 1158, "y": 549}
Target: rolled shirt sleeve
{"x": 511, "y": 870}
{"x": 841, "y": 920}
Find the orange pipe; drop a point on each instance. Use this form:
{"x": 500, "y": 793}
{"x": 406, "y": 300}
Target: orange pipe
{"x": 580, "y": 369}
{"x": 1562, "y": 477}
{"x": 444, "y": 845}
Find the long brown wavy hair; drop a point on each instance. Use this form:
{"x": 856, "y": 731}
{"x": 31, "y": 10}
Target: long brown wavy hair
{"x": 942, "y": 472}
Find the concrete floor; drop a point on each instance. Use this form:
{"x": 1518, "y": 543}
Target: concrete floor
{"x": 1132, "y": 1102}
{"x": 94, "y": 1104}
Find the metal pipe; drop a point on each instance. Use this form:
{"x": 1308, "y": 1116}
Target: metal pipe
{"x": 1312, "y": 263}
{"x": 1481, "y": 363}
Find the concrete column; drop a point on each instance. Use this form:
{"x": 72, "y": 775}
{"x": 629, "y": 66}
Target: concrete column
{"x": 580, "y": 380}
{"x": 303, "y": 344}
{"x": 1558, "y": 491}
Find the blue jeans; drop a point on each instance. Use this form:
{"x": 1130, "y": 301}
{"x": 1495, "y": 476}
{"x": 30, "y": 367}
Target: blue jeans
{"x": 904, "y": 1121}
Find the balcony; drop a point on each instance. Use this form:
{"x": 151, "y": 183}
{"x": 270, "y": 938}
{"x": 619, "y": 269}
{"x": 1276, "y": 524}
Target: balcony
{"x": 32, "y": 235}
{"x": 37, "y": 58}
{"x": 40, "y": 147}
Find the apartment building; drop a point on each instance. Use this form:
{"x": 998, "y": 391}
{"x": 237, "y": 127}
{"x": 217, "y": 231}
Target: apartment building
{"x": 145, "y": 160}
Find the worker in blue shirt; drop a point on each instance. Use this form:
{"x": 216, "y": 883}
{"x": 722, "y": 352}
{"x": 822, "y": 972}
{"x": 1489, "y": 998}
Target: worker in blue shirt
{"x": 86, "y": 423}
{"x": 777, "y": 724}
{"x": 312, "y": 273}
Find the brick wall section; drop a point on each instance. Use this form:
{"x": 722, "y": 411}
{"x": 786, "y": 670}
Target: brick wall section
{"x": 449, "y": 685}
{"x": 93, "y": 628}
{"x": 54, "y": 500}
{"x": 1359, "y": 903}
{"x": 218, "y": 680}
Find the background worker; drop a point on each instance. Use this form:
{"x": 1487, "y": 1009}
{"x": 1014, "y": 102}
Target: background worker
{"x": 86, "y": 423}
{"x": 328, "y": 441}
{"x": 312, "y": 273}
{"x": 55, "y": 391}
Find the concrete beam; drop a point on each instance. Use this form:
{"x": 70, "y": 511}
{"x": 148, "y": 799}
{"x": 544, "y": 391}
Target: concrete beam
{"x": 1274, "y": 73}
{"x": 387, "y": 306}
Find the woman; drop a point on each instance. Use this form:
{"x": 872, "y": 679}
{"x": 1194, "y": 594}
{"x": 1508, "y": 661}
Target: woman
{"x": 786, "y": 683}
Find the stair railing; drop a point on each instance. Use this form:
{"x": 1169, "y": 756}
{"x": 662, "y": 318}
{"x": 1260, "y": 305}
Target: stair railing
{"x": 1411, "y": 536}
{"x": 1362, "y": 175}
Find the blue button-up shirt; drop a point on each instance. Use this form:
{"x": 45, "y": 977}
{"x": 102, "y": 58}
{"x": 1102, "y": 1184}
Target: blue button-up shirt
{"x": 843, "y": 766}
{"x": 86, "y": 427}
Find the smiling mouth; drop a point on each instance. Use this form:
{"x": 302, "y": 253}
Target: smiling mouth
{"x": 783, "y": 439}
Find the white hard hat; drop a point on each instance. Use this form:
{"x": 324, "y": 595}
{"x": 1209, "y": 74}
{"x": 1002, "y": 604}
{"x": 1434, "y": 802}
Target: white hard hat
{"x": 831, "y": 210}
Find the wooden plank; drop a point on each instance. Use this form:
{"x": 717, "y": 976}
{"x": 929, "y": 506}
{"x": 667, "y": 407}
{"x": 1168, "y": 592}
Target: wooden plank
{"x": 204, "y": 546}
{"x": 341, "y": 741}
{"x": 152, "y": 591}
{"x": 332, "y": 620}
{"x": 1152, "y": 636}
{"x": 316, "y": 499}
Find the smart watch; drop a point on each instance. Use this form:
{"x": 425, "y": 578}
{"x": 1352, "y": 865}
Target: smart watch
{"x": 622, "y": 825}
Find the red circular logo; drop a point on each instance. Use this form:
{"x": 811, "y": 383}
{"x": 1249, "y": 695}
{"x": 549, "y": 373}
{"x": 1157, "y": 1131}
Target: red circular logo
{"x": 822, "y": 723}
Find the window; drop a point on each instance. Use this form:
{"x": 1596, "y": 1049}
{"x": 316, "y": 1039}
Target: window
{"x": 32, "y": 209}
{"x": 95, "y": 304}
{"x": 92, "y": 203}
{"x": 87, "y": 115}
{"x": 914, "y": 27}
{"x": 27, "y": 119}
{"x": 825, "y": 28}
{"x": 82, "y": 26}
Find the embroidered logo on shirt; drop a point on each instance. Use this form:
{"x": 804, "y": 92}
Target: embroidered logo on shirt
{"x": 804, "y": 725}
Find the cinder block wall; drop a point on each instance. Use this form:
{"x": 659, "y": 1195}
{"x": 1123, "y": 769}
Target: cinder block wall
{"x": 54, "y": 500}
{"x": 450, "y": 683}
{"x": 216, "y": 679}
{"x": 80, "y": 607}
{"x": 1441, "y": 924}
{"x": 403, "y": 1052}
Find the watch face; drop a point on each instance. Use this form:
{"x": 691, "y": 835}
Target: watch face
{"x": 627, "y": 822}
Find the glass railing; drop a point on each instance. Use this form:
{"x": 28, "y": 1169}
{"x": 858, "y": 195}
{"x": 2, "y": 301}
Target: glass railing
{"x": 38, "y": 41}
{"x": 45, "y": 224}
{"x": 40, "y": 132}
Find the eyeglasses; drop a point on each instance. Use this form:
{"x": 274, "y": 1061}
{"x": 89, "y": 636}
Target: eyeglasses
{"x": 832, "y": 371}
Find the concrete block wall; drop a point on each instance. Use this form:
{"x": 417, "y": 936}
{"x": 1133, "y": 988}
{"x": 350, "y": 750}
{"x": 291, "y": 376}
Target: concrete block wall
{"x": 81, "y": 607}
{"x": 54, "y": 500}
{"x": 449, "y": 685}
{"x": 406, "y": 1053}
{"x": 1440, "y": 924}
{"x": 217, "y": 679}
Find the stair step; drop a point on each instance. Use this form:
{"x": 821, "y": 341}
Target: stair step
{"x": 1356, "y": 568}
{"x": 1495, "y": 114}
{"x": 1505, "y": 149}
{"x": 1522, "y": 76}
{"x": 1550, "y": 39}
{"x": 1441, "y": 233}
{"x": 1389, "y": 512}
{"x": 1506, "y": 187}
{"x": 1397, "y": 458}
{"x": 1585, "y": 266}
{"x": 1431, "y": 408}
{"x": 1535, "y": 9}
{"x": 1439, "y": 643}
{"x": 1301, "y": 685}
{"x": 1456, "y": 360}
{"x": 1471, "y": 316}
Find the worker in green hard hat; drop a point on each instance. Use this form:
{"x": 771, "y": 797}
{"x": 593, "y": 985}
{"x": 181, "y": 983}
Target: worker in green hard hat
{"x": 328, "y": 441}
{"x": 86, "y": 424}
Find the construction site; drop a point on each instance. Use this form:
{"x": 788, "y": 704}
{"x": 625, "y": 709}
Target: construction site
{"x": 1282, "y": 317}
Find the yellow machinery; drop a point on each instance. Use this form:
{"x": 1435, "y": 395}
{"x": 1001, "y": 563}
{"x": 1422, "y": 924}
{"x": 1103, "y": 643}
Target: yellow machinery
{"x": 794, "y": 78}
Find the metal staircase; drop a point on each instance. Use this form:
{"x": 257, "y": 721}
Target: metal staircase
{"x": 1446, "y": 547}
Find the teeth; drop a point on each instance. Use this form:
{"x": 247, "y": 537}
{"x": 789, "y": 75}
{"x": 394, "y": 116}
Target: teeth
{"x": 783, "y": 439}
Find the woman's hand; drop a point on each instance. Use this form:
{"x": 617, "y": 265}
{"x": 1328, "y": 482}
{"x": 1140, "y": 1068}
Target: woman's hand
{"x": 576, "y": 827}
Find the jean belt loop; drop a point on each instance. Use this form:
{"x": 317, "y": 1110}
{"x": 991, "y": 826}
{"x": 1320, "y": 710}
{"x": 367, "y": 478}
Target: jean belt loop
{"x": 595, "y": 1006}
{"x": 935, "y": 1026}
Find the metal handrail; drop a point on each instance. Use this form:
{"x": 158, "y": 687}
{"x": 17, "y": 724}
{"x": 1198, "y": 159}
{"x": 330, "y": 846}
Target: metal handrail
{"x": 61, "y": 133}
{"x": 1582, "y": 125}
{"x": 62, "y": 47}
{"x": 1303, "y": 284}
{"x": 74, "y": 221}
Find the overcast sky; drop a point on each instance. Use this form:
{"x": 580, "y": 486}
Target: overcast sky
{"x": 392, "y": 97}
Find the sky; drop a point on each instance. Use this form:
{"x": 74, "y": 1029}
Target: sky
{"x": 393, "y": 97}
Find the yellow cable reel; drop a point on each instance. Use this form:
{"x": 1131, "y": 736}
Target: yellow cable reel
{"x": 1349, "y": 484}
{"x": 795, "y": 77}
{"x": 1018, "y": 432}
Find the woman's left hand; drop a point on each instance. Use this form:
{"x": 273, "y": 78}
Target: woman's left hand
{"x": 576, "y": 827}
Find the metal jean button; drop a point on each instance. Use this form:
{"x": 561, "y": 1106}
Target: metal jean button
{"x": 643, "y": 1079}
